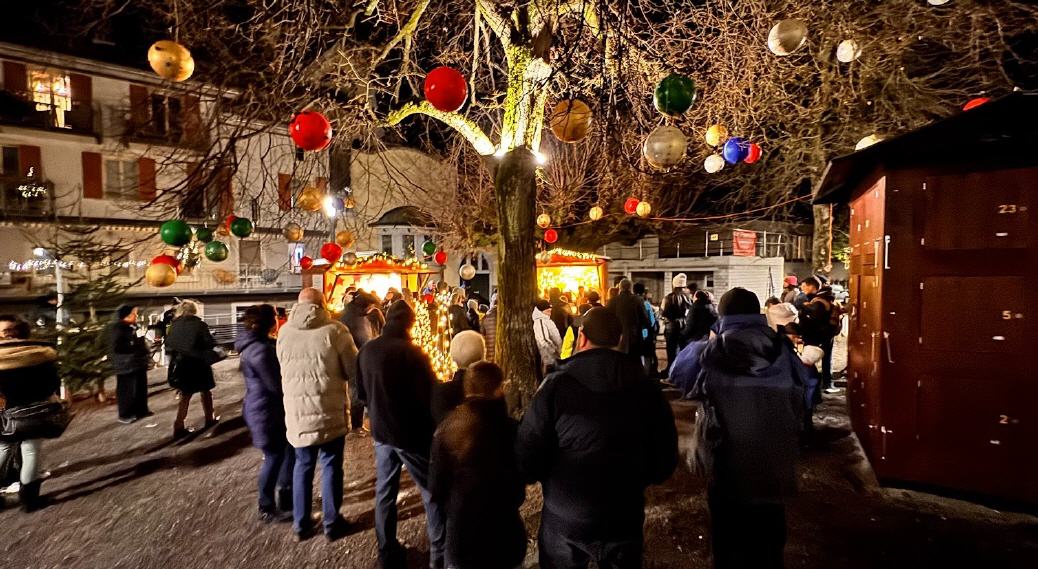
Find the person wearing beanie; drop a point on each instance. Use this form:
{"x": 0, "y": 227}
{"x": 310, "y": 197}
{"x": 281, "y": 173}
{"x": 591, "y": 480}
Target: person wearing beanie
{"x": 129, "y": 357}
{"x": 675, "y": 311}
{"x": 396, "y": 382}
{"x": 467, "y": 348}
{"x": 753, "y": 380}
{"x": 569, "y": 441}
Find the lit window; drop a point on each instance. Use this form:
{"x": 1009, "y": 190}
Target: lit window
{"x": 409, "y": 250}
{"x": 121, "y": 180}
{"x": 51, "y": 92}
{"x": 387, "y": 244}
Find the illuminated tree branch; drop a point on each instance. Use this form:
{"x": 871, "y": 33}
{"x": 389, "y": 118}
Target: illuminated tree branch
{"x": 463, "y": 125}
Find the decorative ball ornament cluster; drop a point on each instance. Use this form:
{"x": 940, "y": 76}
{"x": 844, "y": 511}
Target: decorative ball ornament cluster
{"x": 331, "y": 252}
{"x": 216, "y": 251}
{"x": 293, "y": 232}
{"x": 570, "y": 120}
{"x": 170, "y": 60}
{"x": 467, "y": 272}
{"x": 310, "y": 130}
{"x": 543, "y": 221}
{"x": 643, "y": 209}
{"x": 445, "y": 89}
{"x": 160, "y": 275}
{"x": 595, "y": 213}
{"x": 787, "y": 36}
{"x": 551, "y": 236}
{"x": 175, "y": 232}
{"x": 674, "y": 95}
{"x": 664, "y": 147}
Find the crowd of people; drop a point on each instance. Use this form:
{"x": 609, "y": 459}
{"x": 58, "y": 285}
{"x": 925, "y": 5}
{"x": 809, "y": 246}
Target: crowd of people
{"x": 597, "y": 433}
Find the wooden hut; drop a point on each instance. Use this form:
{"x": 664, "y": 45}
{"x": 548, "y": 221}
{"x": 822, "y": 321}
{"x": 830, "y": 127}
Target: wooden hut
{"x": 943, "y": 346}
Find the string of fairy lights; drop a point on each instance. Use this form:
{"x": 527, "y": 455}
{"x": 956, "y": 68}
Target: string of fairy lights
{"x": 435, "y": 341}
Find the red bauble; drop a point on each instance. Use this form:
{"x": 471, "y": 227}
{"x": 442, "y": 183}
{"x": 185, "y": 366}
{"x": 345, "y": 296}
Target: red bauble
{"x": 306, "y": 262}
{"x": 310, "y": 130}
{"x": 446, "y": 89}
{"x": 331, "y": 252}
{"x": 631, "y": 205}
{"x": 440, "y": 257}
{"x": 167, "y": 260}
{"x": 227, "y": 223}
{"x": 551, "y": 236}
{"x": 974, "y": 103}
{"x": 753, "y": 153}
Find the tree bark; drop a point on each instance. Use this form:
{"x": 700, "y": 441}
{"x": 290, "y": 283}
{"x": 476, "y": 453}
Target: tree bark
{"x": 515, "y": 187}
{"x": 822, "y": 242}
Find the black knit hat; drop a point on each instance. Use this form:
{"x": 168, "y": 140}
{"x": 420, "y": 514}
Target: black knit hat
{"x": 123, "y": 311}
{"x": 601, "y": 327}
{"x": 738, "y": 301}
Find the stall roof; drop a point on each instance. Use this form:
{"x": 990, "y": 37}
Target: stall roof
{"x": 556, "y": 257}
{"x": 407, "y": 215}
{"x": 1005, "y": 127}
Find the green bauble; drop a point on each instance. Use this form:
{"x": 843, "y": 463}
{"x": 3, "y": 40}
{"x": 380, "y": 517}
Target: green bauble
{"x": 204, "y": 234}
{"x": 241, "y": 227}
{"x": 175, "y": 232}
{"x": 674, "y": 95}
{"x": 429, "y": 247}
{"x": 216, "y": 252}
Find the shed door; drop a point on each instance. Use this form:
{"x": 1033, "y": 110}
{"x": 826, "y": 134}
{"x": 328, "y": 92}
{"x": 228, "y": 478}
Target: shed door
{"x": 975, "y": 314}
{"x": 981, "y": 210}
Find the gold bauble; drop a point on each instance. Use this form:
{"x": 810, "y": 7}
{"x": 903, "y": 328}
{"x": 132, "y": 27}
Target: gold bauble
{"x": 344, "y": 239}
{"x": 293, "y": 232}
{"x": 170, "y": 60}
{"x": 716, "y": 134}
{"x": 226, "y": 277}
{"x": 787, "y": 36}
{"x": 570, "y": 120}
{"x": 595, "y": 213}
{"x": 310, "y": 199}
{"x": 160, "y": 275}
{"x": 643, "y": 209}
{"x": 543, "y": 221}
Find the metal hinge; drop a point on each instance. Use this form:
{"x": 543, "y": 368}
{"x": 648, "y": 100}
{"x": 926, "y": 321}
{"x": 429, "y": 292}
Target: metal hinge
{"x": 886, "y": 252}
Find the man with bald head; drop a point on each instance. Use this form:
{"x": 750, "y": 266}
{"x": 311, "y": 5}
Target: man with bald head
{"x": 317, "y": 356}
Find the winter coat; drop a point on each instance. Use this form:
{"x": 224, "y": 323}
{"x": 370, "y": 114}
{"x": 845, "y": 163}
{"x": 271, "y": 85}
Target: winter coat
{"x": 701, "y": 318}
{"x": 674, "y": 310}
{"x": 561, "y": 316}
{"x": 263, "y": 407}
{"x": 816, "y": 326}
{"x": 752, "y": 391}
{"x": 447, "y": 396}
{"x": 127, "y": 352}
{"x": 790, "y": 296}
{"x": 376, "y": 319}
{"x": 317, "y": 356}
{"x": 549, "y": 342}
{"x": 630, "y": 309}
{"x": 473, "y": 317}
{"x": 474, "y": 476}
{"x": 28, "y": 372}
{"x": 190, "y": 348}
{"x": 355, "y": 317}
{"x": 488, "y": 327}
{"x": 459, "y": 319}
{"x": 687, "y": 366}
{"x": 596, "y": 434}
{"x": 395, "y": 380}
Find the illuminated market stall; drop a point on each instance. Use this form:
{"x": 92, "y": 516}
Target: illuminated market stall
{"x": 570, "y": 270}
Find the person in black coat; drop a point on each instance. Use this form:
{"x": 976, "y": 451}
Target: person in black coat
{"x": 129, "y": 357}
{"x": 701, "y": 317}
{"x": 395, "y": 381}
{"x": 747, "y": 435}
{"x": 264, "y": 411}
{"x": 630, "y": 309}
{"x": 819, "y": 322}
{"x": 189, "y": 345}
{"x": 475, "y": 478}
{"x": 597, "y": 433}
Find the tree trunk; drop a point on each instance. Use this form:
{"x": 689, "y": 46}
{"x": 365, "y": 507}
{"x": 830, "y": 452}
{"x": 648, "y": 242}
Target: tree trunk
{"x": 822, "y": 243}
{"x": 515, "y": 187}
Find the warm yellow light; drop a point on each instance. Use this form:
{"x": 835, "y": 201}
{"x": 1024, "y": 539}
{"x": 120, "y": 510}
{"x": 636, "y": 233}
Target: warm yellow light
{"x": 378, "y": 283}
{"x": 644, "y": 209}
{"x": 596, "y": 213}
{"x": 568, "y": 278}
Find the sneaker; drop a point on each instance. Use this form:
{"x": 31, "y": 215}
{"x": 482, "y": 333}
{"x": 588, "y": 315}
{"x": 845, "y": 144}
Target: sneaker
{"x": 274, "y": 516}
{"x": 179, "y": 433}
{"x": 127, "y": 420}
{"x": 12, "y": 489}
{"x": 833, "y": 390}
{"x": 303, "y": 534}
{"x": 337, "y": 530}
{"x": 210, "y": 423}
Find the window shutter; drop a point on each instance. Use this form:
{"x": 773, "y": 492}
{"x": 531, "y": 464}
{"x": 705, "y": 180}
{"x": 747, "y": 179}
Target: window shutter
{"x": 139, "y": 106}
{"x": 29, "y": 159}
{"x": 82, "y": 87}
{"x": 146, "y": 179}
{"x": 16, "y": 78}
{"x": 191, "y": 119}
{"x": 285, "y": 192}
{"x": 225, "y": 186}
{"x": 93, "y": 187}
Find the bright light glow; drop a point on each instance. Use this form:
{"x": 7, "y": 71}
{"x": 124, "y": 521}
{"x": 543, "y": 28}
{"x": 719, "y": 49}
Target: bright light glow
{"x": 569, "y": 278}
{"x": 329, "y": 206}
{"x": 39, "y": 252}
{"x": 501, "y": 152}
{"x": 868, "y": 141}
{"x": 540, "y": 158}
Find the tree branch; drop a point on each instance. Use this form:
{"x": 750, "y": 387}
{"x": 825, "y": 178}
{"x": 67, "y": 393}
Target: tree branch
{"x": 406, "y": 31}
{"x": 498, "y": 23}
{"x": 465, "y": 126}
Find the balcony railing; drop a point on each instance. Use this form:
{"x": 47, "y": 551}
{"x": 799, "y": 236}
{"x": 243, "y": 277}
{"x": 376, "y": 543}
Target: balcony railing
{"x": 18, "y": 109}
{"x": 25, "y": 196}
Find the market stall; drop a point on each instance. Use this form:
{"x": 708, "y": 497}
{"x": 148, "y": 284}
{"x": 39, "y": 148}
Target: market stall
{"x": 570, "y": 270}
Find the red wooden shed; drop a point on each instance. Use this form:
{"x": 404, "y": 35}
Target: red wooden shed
{"x": 943, "y": 346}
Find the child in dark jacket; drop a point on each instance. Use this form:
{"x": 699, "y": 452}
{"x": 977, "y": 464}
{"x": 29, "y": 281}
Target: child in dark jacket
{"x": 474, "y": 477}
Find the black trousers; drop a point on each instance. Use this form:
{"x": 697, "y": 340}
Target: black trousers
{"x": 746, "y": 536}
{"x": 675, "y": 343}
{"x": 559, "y": 548}
{"x": 131, "y": 392}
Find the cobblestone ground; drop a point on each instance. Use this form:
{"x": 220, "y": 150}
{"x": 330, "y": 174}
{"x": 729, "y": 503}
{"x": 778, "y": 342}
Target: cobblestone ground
{"x": 125, "y": 497}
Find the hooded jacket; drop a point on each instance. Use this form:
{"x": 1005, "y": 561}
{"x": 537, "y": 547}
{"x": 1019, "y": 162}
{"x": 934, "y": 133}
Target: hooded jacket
{"x": 395, "y": 380}
{"x": 317, "y": 356}
{"x": 701, "y": 317}
{"x": 355, "y": 317}
{"x": 263, "y": 407}
{"x": 594, "y": 467}
{"x": 816, "y": 326}
{"x": 127, "y": 352}
{"x": 28, "y": 372}
{"x": 752, "y": 389}
{"x": 549, "y": 342}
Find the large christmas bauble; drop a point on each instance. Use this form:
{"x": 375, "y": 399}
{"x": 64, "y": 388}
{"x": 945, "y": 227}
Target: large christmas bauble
{"x": 674, "y": 95}
{"x": 310, "y": 130}
{"x": 716, "y": 134}
{"x": 203, "y": 234}
{"x": 167, "y": 260}
{"x": 713, "y": 163}
{"x": 216, "y": 252}
{"x": 664, "y": 147}
{"x": 848, "y": 51}
{"x": 331, "y": 252}
{"x": 306, "y": 262}
{"x": 467, "y": 272}
{"x": 429, "y": 247}
{"x": 293, "y": 232}
{"x": 344, "y": 239}
{"x": 631, "y": 205}
{"x": 440, "y": 258}
{"x": 644, "y": 209}
{"x": 735, "y": 150}
{"x": 310, "y": 199}
{"x": 175, "y": 232}
{"x": 551, "y": 236}
{"x": 349, "y": 258}
{"x": 543, "y": 221}
{"x": 445, "y": 89}
{"x": 241, "y": 227}
{"x": 170, "y": 60}
{"x": 787, "y": 36}
{"x": 160, "y": 275}
{"x": 595, "y": 213}
{"x": 753, "y": 153}
{"x": 570, "y": 120}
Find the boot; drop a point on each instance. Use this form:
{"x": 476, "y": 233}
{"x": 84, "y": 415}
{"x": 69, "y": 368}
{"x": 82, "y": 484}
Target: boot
{"x": 284, "y": 497}
{"x": 30, "y": 496}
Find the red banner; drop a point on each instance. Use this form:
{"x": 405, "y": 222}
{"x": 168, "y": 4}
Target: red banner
{"x": 744, "y": 243}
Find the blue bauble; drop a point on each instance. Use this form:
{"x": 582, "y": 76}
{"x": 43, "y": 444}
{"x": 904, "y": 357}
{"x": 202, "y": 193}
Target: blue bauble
{"x": 735, "y": 150}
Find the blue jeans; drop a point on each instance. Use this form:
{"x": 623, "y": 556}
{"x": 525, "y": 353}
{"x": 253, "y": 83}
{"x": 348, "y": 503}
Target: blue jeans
{"x": 330, "y": 456}
{"x": 30, "y": 458}
{"x": 388, "y": 461}
{"x": 275, "y": 473}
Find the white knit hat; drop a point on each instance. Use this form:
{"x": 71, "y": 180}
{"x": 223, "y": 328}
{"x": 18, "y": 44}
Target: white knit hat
{"x": 782, "y": 314}
{"x": 812, "y": 355}
{"x": 467, "y": 348}
{"x": 680, "y": 280}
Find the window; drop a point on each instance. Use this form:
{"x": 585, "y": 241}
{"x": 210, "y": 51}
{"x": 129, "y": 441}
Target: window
{"x": 409, "y": 250}
{"x": 121, "y": 180}
{"x": 165, "y": 116}
{"x": 387, "y": 244}
{"x": 9, "y": 162}
{"x": 51, "y": 92}
{"x": 250, "y": 260}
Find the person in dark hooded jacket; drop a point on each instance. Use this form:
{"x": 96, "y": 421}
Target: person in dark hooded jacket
{"x": 630, "y": 309}
{"x": 747, "y": 433}
{"x": 264, "y": 411}
{"x": 597, "y": 433}
{"x": 701, "y": 317}
{"x": 817, "y": 318}
{"x": 128, "y": 357}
